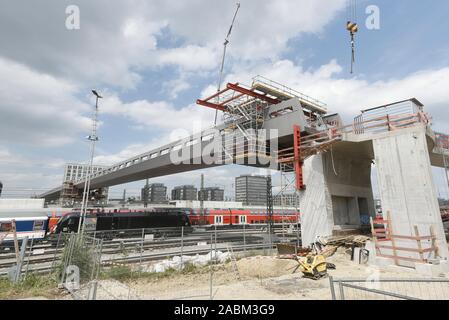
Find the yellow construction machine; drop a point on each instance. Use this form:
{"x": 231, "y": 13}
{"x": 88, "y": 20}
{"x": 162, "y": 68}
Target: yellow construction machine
{"x": 311, "y": 262}
{"x": 314, "y": 266}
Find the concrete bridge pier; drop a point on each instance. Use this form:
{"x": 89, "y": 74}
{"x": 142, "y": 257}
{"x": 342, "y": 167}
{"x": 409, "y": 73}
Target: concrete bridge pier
{"x": 407, "y": 189}
{"x": 338, "y": 198}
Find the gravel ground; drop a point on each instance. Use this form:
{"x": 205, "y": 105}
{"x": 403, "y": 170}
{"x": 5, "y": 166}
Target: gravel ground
{"x": 268, "y": 278}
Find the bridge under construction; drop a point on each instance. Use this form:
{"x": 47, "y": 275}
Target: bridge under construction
{"x": 270, "y": 125}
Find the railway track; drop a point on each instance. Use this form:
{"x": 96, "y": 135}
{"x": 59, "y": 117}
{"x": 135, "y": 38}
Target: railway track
{"x": 54, "y": 254}
{"x": 147, "y": 250}
{"x": 46, "y": 265}
{"x": 124, "y": 244}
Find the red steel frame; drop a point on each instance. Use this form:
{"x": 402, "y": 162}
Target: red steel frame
{"x": 237, "y": 88}
{"x": 298, "y": 161}
{"x": 222, "y": 106}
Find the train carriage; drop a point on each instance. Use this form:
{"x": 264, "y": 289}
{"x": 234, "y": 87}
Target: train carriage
{"x": 33, "y": 227}
{"x": 124, "y": 220}
{"x": 229, "y": 217}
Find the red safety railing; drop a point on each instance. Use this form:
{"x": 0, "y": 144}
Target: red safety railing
{"x": 314, "y": 143}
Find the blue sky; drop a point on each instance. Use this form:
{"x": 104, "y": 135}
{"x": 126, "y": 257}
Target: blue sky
{"x": 153, "y": 59}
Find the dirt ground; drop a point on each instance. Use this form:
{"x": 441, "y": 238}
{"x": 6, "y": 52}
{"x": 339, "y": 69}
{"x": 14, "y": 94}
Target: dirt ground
{"x": 258, "y": 278}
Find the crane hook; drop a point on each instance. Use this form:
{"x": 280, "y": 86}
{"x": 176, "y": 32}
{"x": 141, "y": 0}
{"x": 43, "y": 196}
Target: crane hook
{"x": 353, "y": 28}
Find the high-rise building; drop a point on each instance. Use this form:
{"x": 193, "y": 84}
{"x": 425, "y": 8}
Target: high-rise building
{"x": 251, "y": 190}
{"x": 74, "y": 172}
{"x": 287, "y": 200}
{"x": 184, "y": 193}
{"x": 154, "y": 193}
{"x": 211, "y": 194}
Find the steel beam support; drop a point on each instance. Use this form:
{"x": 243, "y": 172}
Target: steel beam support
{"x": 298, "y": 161}
{"x": 240, "y": 89}
{"x": 210, "y": 105}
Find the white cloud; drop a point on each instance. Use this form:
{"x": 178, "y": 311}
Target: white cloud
{"x": 191, "y": 57}
{"x": 349, "y": 96}
{"x": 114, "y": 45}
{"x": 119, "y": 41}
{"x": 262, "y": 28}
{"x": 128, "y": 152}
{"x": 176, "y": 86}
{"x": 159, "y": 115}
{"x": 38, "y": 108}
{"x": 19, "y": 184}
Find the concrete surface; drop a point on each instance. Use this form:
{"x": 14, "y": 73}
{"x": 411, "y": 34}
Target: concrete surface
{"x": 406, "y": 187}
{"x": 338, "y": 193}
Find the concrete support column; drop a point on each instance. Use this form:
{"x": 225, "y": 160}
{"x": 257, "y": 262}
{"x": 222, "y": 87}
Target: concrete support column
{"x": 315, "y": 203}
{"x": 406, "y": 187}
{"x": 338, "y": 198}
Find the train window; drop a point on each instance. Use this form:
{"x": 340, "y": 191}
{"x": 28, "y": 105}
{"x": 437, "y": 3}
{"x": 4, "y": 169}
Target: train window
{"x": 218, "y": 220}
{"x": 5, "y": 227}
{"x": 208, "y": 137}
{"x": 165, "y": 151}
{"x": 191, "y": 143}
{"x": 38, "y": 225}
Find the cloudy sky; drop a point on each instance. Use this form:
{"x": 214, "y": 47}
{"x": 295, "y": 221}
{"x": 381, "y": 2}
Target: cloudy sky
{"x": 152, "y": 59}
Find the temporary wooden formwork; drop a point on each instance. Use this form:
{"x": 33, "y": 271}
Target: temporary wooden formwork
{"x": 384, "y": 234}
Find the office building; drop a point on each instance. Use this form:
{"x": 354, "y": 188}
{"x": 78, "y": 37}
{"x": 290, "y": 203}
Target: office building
{"x": 251, "y": 190}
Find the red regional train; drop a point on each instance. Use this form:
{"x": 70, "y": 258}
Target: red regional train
{"x": 225, "y": 217}
{"x": 212, "y": 217}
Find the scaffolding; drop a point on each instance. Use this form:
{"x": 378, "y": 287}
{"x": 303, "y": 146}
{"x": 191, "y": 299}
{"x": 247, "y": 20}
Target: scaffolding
{"x": 69, "y": 194}
{"x": 243, "y": 115}
{"x": 245, "y": 111}
{"x": 283, "y": 93}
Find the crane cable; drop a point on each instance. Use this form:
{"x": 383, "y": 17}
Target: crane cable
{"x": 225, "y": 45}
{"x": 352, "y": 27}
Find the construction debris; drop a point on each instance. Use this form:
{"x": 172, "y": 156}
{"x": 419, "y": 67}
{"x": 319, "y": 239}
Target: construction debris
{"x": 178, "y": 262}
{"x": 346, "y": 241}
{"x": 325, "y": 246}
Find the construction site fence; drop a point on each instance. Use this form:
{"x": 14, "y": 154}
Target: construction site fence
{"x": 389, "y": 289}
{"x": 82, "y": 263}
{"x": 237, "y": 243}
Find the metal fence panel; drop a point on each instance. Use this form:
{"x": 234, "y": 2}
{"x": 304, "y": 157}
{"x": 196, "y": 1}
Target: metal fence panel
{"x": 389, "y": 289}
